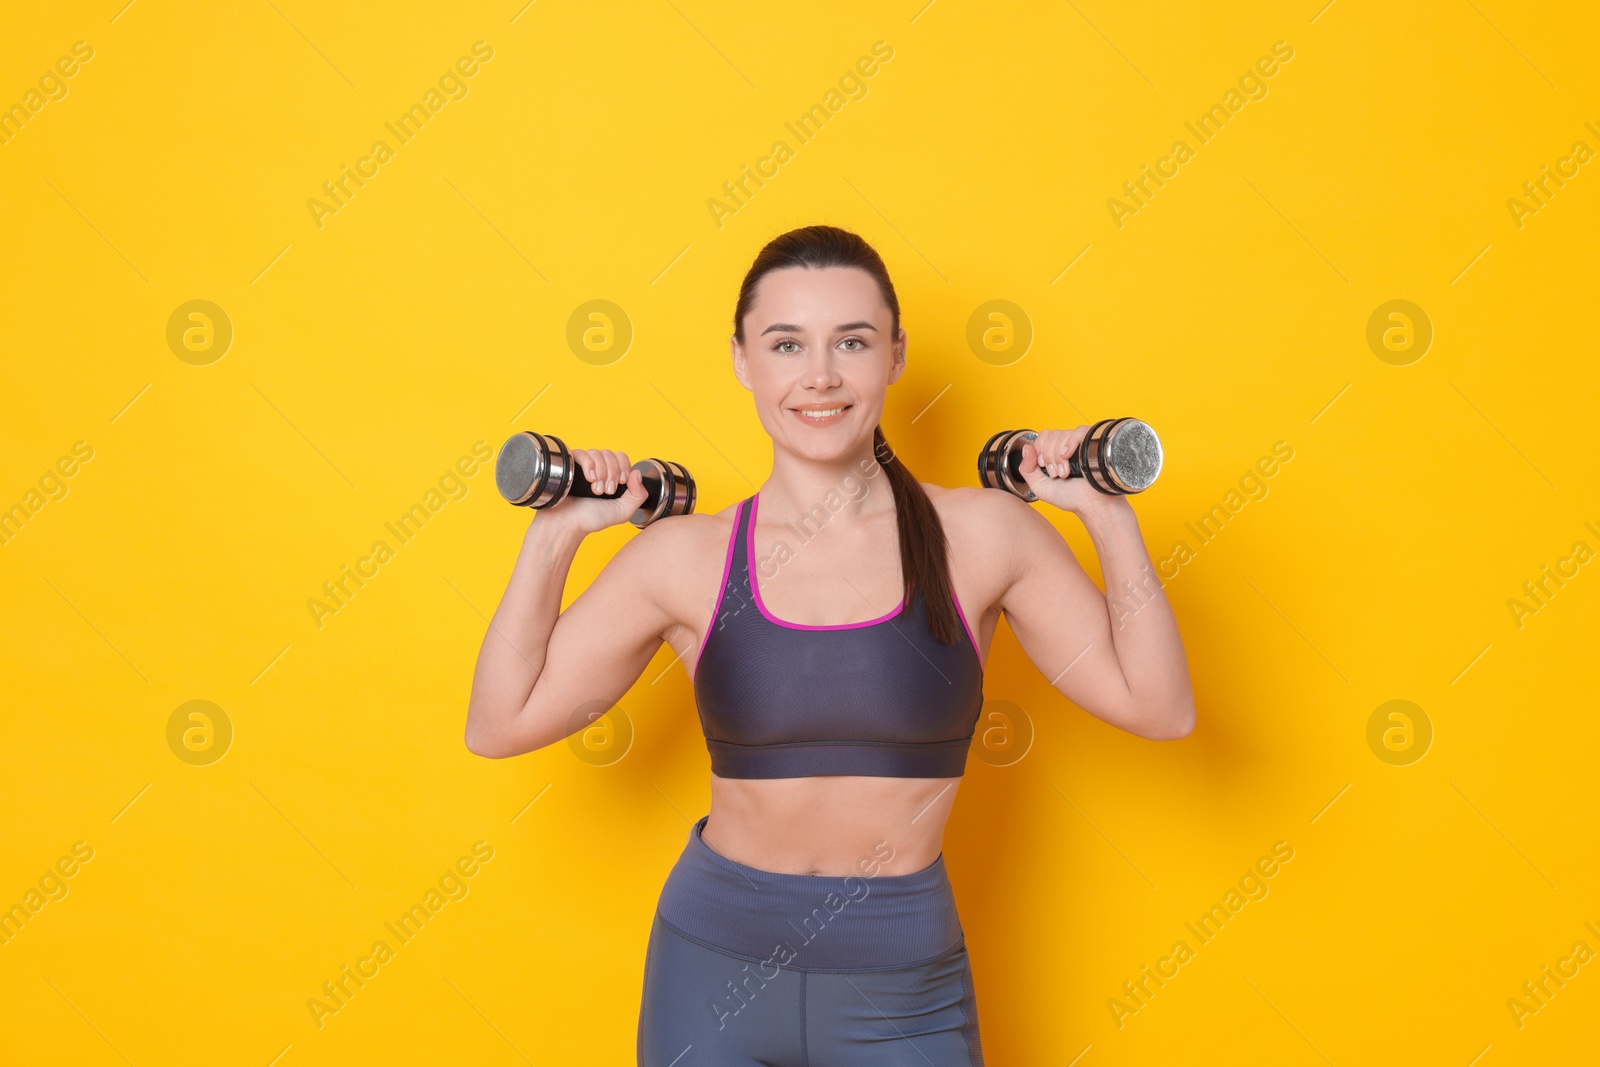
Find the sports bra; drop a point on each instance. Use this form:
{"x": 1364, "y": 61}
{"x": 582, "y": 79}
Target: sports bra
{"x": 781, "y": 700}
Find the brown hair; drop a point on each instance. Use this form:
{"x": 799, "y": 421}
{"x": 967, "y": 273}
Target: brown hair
{"x": 924, "y": 558}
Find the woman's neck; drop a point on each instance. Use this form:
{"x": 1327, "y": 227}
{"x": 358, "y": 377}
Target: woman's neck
{"x": 853, "y": 490}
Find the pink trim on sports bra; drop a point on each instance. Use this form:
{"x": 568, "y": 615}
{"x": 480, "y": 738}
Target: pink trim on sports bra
{"x": 970, "y": 636}
{"x": 727, "y": 570}
{"x": 755, "y": 586}
{"x": 774, "y": 706}
{"x": 716, "y": 605}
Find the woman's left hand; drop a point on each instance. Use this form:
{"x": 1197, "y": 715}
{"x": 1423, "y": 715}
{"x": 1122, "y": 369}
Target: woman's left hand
{"x": 1046, "y": 470}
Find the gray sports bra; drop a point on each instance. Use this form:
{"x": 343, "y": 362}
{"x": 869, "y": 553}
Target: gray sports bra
{"x": 781, "y": 700}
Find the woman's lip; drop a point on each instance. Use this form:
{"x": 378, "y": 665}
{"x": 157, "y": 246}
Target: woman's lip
{"x": 829, "y": 421}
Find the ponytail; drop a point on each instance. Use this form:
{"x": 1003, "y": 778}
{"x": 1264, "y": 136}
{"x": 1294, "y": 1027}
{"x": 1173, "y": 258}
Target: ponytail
{"x": 924, "y": 555}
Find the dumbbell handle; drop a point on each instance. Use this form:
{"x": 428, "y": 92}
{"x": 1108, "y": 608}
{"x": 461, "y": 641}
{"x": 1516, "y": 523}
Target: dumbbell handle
{"x": 581, "y": 486}
{"x": 1014, "y": 463}
{"x": 655, "y": 476}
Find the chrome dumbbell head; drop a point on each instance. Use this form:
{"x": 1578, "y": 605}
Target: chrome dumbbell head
{"x": 669, "y": 490}
{"x": 1117, "y": 456}
{"x": 1121, "y": 456}
{"x": 1000, "y": 460}
{"x": 533, "y": 470}
{"x": 536, "y": 470}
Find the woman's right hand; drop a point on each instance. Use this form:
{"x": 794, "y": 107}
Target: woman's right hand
{"x": 604, "y": 469}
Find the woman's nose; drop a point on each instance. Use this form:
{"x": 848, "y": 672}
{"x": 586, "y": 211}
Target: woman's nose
{"x": 820, "y": 367}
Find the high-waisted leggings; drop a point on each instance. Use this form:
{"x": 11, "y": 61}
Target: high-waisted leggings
{"x": 750, "y": 967}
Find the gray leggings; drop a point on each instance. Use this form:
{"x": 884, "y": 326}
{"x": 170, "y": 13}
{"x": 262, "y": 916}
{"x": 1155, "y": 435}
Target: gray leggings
{"x": 749, "y": 967}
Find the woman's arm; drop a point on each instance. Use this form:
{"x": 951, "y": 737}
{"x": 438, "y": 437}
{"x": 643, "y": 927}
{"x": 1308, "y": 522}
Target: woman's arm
{"x": 1118, "y": 655}
{"x": 544, "y": 673}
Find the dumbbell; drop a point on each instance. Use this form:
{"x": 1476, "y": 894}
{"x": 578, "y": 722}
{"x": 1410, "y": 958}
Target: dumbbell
{"x": 1117, "y": 456}
{"x": 535, "y": 470}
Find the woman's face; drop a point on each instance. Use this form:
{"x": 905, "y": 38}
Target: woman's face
{"x": 818, "y": 340}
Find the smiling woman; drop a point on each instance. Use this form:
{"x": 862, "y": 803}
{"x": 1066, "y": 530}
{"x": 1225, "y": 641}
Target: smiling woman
{"x": 809, "y": 917}
{"x": 837, "y": 732}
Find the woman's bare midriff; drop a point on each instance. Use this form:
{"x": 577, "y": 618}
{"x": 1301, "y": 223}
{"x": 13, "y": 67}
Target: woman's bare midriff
{"x": 831, "y": 825}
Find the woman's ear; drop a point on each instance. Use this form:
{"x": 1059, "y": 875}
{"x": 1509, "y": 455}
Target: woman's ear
{"x": 740, "y": 370}
{"x": 898, "y": 367}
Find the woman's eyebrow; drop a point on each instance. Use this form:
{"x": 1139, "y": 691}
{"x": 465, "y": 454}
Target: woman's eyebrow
{"x": 789, "y": 327}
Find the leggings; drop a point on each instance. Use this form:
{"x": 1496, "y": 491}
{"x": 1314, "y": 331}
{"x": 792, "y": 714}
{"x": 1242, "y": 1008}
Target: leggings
{"x": 748, "y": 967}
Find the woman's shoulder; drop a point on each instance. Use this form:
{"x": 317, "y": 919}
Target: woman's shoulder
{"x": 980, "y": 521}
{"x": 685, "y": 544}
{"x": 974, "y": 507}
{"x": 677, "y": 534}
{"x": 678, "y": 560}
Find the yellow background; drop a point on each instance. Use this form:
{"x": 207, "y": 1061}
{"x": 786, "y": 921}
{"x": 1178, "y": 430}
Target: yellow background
{"x": 429, "y": 313}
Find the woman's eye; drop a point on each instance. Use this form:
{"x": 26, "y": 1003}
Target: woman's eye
{"x": 786, "y": 341}
{"x": 854, "y": 340}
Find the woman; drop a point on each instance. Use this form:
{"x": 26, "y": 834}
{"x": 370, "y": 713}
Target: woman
{"x": 809, "y": 920}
